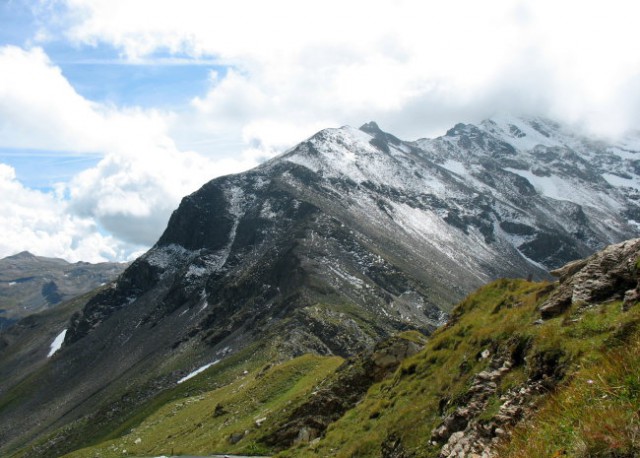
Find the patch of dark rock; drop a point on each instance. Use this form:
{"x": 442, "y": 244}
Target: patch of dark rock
{"x": 518, "y": 348}
{"x": 51, "y": 293}
{"x": 554, "y": 308}
{"x": 235, "y": 438}
{"x": 188, "y": 228}
{"x": 548, "y": 364}
{"x": 551, "y": 249}
{"x": 453, "y": 219}
{"x": 380, "y": 143}
{"x": 517, "y": 228}
{"x": 219, "y": 411}
{"x": 516, "y": 132}
{"x": 392, "y": 447}
{"x": 523, "y": 186}
{"x": 537, "y": 126}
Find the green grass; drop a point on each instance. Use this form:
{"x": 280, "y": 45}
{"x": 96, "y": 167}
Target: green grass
{"x": 596, "y": 414}
{"x": 587, "y": 344}
{"x": 590, "y": 351}
{"x": 204, "y": 423}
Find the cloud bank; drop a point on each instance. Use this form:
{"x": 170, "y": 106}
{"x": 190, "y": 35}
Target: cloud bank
{"x": 349, "y": 61}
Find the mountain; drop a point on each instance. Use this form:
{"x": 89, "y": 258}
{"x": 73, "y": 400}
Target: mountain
{"x": 30, "y": 284}
{"x": 345, "y": 240}
{"x": 503, "y": 378}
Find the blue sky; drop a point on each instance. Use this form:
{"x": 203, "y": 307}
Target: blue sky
{"x": 98, "y": 73}
{"x": 112, "y": 110}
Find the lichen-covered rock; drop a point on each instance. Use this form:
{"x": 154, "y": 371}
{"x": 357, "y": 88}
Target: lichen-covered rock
{"x": 608, "y": 274}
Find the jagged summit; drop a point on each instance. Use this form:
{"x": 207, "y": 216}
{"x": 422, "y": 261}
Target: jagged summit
{"x": 371, "y": 127}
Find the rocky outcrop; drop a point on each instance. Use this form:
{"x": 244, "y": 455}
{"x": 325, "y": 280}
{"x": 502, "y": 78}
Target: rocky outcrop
{"x": 608, "y": 274}
{"x": 467, "y": 432}
{"x": 461, "y": 432}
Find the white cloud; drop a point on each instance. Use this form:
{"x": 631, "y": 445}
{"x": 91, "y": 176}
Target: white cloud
{"x": 40, "y": 109}
{"x": 40, "y": 223}
{"x": 348, "y": 62}
{"x": 129, "y": 194}
{"x": 133, "y": 196}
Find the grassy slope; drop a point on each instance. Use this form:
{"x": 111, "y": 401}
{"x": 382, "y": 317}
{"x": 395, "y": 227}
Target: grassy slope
{"x": 203, "y": 423}
{"x": 594, "y": 408}
{"x": 593, "y": 411}
{"x": 27, "y": 345}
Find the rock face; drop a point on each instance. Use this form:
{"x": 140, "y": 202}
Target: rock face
{"x": 610, "y": 273}
{"x": 465, "y": 433}
{"x": 402, "y": 230}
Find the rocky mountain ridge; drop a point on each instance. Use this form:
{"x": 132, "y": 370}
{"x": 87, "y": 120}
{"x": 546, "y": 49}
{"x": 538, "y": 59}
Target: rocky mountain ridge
{"x": 343, "y": 241}
{"x": 500, "y": 379}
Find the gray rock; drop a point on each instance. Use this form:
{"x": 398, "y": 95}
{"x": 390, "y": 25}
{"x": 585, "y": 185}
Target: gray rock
{"x": 608, "y": 274}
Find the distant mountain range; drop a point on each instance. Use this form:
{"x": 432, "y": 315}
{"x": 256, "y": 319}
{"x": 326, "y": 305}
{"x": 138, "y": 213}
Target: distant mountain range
{"x": 345, "y": 240}
{"x": 30, "y": 284}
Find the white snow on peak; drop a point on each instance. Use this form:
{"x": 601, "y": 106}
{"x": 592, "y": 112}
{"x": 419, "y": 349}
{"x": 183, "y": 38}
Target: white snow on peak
{"x": 168, "y": 255}
{"x": 618, "y": 181}
{"x": 559, "y": 188}
{"x": 336, "y": 148}
{"x": 522, "y": 133}
{"x": 349, "y": 153}
{"x": 57, "y": 343}
{"x": 198, "y": 371}
{"x": 630, "y": 141}
{"x": 625, "y": 153}
{"x": 456, "y": 167}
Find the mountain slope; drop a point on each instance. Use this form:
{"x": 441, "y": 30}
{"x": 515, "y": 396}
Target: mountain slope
{"x": 497, "y": 380}
{"x": 346, "y": 239}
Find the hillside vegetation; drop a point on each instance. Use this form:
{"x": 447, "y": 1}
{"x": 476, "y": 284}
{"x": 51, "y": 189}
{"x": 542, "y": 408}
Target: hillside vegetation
{"x": 521, "y": 369}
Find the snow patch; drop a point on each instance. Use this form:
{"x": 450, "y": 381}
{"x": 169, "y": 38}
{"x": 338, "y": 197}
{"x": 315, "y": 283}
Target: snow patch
{"x": 196, "y": 271}
{"x": 57, "y": 343}
{"x": 511, "y": 129}
{"x": 204, "y": 306}
{"x": 267, "y": 212}
{"x": 168, "y": 255}
{"x": 456, "y": 167}
{"x": 623, "y": 153}
{"x": 564, "y": 189}
{"x": 618, "y": 181}
{"x": 355, "y": 281}
{"x": 198, "y": 371}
